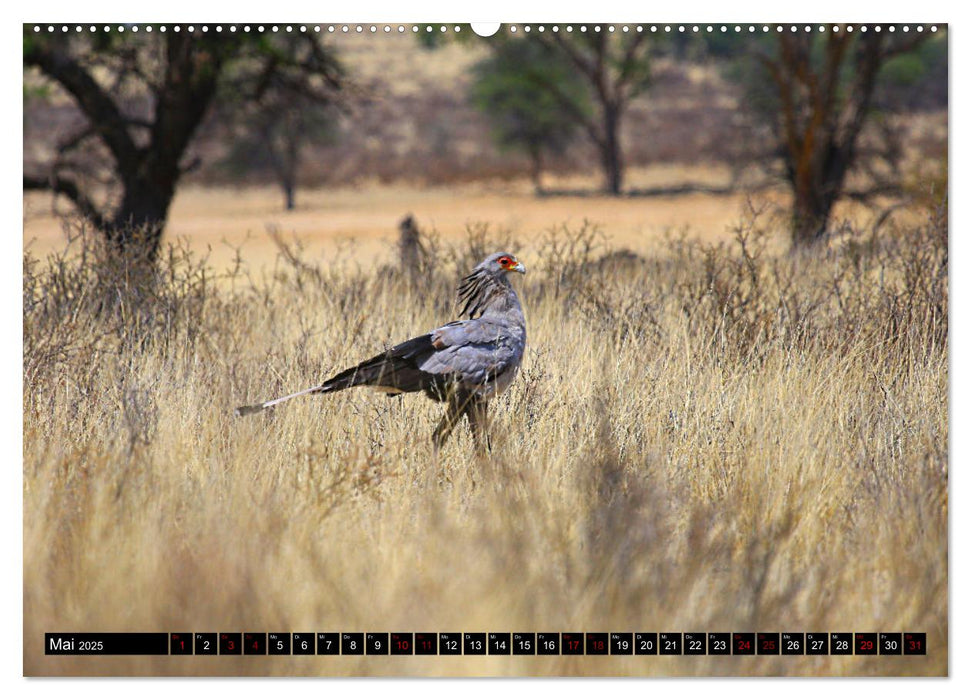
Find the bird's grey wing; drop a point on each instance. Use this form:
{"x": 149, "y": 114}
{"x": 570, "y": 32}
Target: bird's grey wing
{"x": 474, "y": 352}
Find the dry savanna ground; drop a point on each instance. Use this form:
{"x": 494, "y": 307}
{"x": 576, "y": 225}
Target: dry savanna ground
{"x": 217, "y": 222}
{"x": 708, "y": 435}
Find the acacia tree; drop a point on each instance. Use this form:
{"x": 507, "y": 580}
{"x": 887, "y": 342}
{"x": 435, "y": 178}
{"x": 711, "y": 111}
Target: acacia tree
{"x": 523, "y": 116}
{"x": 272, "y": 134}
{"x": 176, "y": 76}
{"x": 616, "y": 69}
{"x": 274, "y": 118}
{"x": 613, "y": 67}
{"x": 824, "y": 88}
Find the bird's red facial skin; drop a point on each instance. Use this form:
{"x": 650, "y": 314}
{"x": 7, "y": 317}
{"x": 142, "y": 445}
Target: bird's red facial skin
{"x": 507, "y": 263}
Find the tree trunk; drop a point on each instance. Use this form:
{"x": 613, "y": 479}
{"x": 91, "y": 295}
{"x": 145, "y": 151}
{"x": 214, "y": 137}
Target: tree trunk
{"x": 821, "y": 116}
{"x": 282, "y": 139}
{"x": 291, "y": 165}
{"x": 536, "y": 169}
{"x": 817, "y": 181}
{"x": 611, "y": 160}
{"x": 136, "y": 226}
{"x": 810, "y": 218}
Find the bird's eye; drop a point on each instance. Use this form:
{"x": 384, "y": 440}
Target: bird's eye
{"x": 505, "y": 262}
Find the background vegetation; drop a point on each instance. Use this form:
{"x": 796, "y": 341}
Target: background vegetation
{"x": 821, "y": 114}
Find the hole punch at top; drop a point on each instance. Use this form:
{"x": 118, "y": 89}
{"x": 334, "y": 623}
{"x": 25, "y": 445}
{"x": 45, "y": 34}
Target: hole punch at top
{"x": 485, "y": 29}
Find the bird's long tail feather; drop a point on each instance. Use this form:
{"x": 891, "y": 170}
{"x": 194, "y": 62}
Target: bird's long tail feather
{"x": 393, "y": 371}
{"x": 256, "y": 408}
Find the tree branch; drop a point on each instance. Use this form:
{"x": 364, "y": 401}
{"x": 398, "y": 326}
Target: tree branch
{"x": 67, "y": 187}
{"x": 867, "y": 65}
{"x": 569, "y": 105}
{"x": 97, "y": 106}
{"x": 628, "y": 62}
{"x": 887, "y": 189}
{"x": 578, "y": 59}
{"x": 76, "y": 140}
{"x": 904, "y": 45}
{"x": 788, "y": 107}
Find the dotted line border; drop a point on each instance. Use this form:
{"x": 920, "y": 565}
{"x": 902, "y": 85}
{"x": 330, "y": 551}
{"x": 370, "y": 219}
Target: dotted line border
{"x": 512, "y": 28}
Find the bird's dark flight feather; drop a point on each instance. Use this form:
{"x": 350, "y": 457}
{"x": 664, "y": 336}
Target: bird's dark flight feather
{"x": 397, "y": 369}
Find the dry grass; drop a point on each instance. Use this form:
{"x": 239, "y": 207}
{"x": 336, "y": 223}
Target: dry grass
{"x": 716, "y": 437}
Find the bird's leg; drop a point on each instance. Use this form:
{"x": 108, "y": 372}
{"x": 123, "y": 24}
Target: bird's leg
{"x": 456, "y": 404}
{"x": 477, "y": 411}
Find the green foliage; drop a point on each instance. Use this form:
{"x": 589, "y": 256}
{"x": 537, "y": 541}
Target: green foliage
{"x": 913, "y": 80}
{"x": 29, "y": 39}
{"x": 924, "y": 62}
{"x": 520, "y": 88}
{"x": 273, "y": 116}
{"x": 431, "y": 36}
{"x": 718, "y": 45}
{"x": 269, "y": 138}
{"x": 742, "y": 67}
{"x": 916, "y": 80}
{"x": 904, "y": 70}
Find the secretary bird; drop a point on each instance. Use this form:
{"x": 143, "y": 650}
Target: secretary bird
{"x": 463, "y": 363}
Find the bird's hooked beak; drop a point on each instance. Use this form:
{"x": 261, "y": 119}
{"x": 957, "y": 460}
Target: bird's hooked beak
{"x": 519, "y": 267}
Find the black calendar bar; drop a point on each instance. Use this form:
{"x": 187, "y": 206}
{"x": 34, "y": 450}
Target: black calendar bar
{"x": 106, "y": 643}
{"x": 377, "y": 644}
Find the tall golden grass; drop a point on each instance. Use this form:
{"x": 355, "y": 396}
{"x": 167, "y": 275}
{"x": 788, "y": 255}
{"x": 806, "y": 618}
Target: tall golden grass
{"x": 712, "y": 438}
